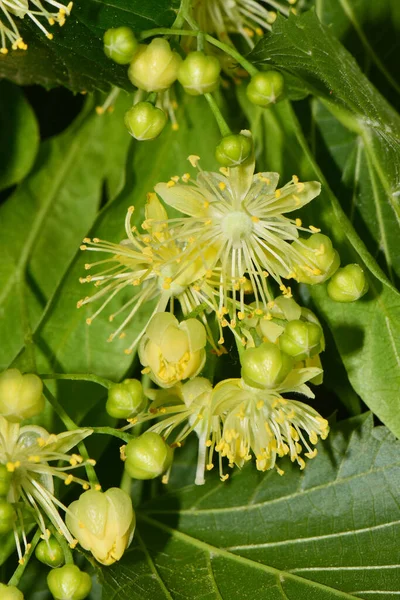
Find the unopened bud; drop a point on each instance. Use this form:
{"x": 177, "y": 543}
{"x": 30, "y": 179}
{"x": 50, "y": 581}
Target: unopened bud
{"x": 5, "y": 480}
{"x": 10, "y": 592}
{"x": 348, "y": 284}
{"x": 126, "y": 399}
{"x": 144, "y": 121}
{"x": 301, "y": 339}
{"x": 103, "y": 523}
{"x": 321, "y": 259}
{"x": 199, "y": 74}
{"x": 7, "y": 517}
{"x": 154, "y": 68}
{"x": 174, "y": 351}
{"x": 266, "y": 366}
{"x": 50, "y": 553}
{"x": 233, "y": 150}
{"x": 69, "y": 583}
{"x": 20, "y": 395}
{"x": 147, "y": 456}
{"x": 265, "y": 88}
{"x": 120, "y": 45}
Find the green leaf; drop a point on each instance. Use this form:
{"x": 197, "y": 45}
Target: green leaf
{"x": 75, "y": 57}
{"x": 19, "y": 135}
{"x": 303, "y": 47}
{"x": 328, "y": 532}
{"x": 45, "y": 219}
{"x": 70, "y": 344}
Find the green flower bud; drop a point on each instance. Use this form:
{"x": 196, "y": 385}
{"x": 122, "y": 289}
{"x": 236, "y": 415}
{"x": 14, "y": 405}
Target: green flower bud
{"x": 20, "y": 395}
{"x": 233, "y": 150}
{"x": 10, "y": 592}
{"x": 5, "y": 480}
{"x": 321, "y": 259}
{"x": 348, "y": 284}
{"x": 125, "y": 399}
{"x": 69, "y": 583}
{"x": 173, "y": 351}
{"x": 266, "y": 366}
{"x": 50, "y": 553}
{"x": 120, "y": 45}
{"x": 147, "y": 456}
{"x": 154, "y": 68}
{"x": 265, "y": 88}
{"x": 103, "y": 522}
{"x": 301, "y": 339}
{"x": 144, "y": 121}
{"x": 199, "y": 74}
{"x": 7, "y": 516}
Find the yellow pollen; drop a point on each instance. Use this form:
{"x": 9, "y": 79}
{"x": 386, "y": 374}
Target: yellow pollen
{"x": 259, "y": 31}
{"x": 312, "y": 454}
{"x": 4, "y": 50}
{"x": 175, "y": 127}
{"x": 222, "y": 185}
{"x": 278, "y": 194}
{"x": 295, "y": 179}
{"x": 122, "y": 453}
{"x": 241, "y": 316}
{"x": 164, "y": 479}
{"x": 208, "y": 443}
{"x": 248, "y": 31}
{"x": 97, "y": 487}
{"x": 255, "y": 219}
{"x": 224, "y": 477}
{"x": 224, "y": 171}
{"x": 280, "y": 471}
{"x": 73, "y": 544}
{"x": 299, "y": 222}
{"x": 69, "y": 480}
{"x": 99, "y": 110}
{"x": 81, "y": 525}
{"x": 260, "y": 404}
{"x": 85, "y": 486}
{"x": 209, "y": 466}
{"x": 193, "y": 159}
{"x": 314, "y": 229}
{"x": 185, "y": 177}
{"x": 91, "y": 461}
{"x": 146, "y": 371}
{"x": 170, "y": 183}
{"x": 34, "y": 459}
{"x": 175, "y": 178}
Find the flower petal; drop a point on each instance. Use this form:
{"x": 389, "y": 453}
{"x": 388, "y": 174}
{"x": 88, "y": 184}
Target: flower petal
{"x": 185, "y": 198}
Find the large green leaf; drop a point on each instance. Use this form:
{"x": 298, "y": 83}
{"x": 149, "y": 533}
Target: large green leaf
{"x": 19, "y": 135}
{"x": 328, "y": 532}
{"x": 75, "y": 57}
{"x": 305, "y": 48}
{"x": 44, "y": 220}
{"x": 72, "y": 345}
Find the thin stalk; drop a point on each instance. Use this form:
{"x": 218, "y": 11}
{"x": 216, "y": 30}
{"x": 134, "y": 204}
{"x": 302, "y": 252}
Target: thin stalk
{"x": 68, "y": 557}
{"x": 19, "y": 571}
{"x": 222, "y": 124}
{"x": 114, "y": 432}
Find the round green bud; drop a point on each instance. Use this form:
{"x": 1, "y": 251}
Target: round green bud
{"x": 69, "y": 583}
{"x": 50, "y": 553}
{"x": 147, "y": 456}
{"x": 199, "y": 74}
{"x": 233, "y": 150}
{"x": 321, "y": 260}
{"x": 120, "y": 45}
{"x": 10, "y": 592}
{"x": 266, "y": 366}
{"x": 301, "y": 339}
{"x": 7, "y": 516}
{"x": 144, "y": 121}
{"x": 125, "y": 399}
{"x": 20, "y": 395}
{"x": 348, "y": 284}
{"x": 5, "y": 480}
{"x": 154, "y": 68}
{"x": 265, "y": 88}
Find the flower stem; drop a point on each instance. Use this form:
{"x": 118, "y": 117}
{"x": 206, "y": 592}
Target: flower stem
{"x": 71, "y": 425}
{"x": 250, "y": 68}
{"x": 19, "y": 571}
{"x": 114, "y": 432}
{"x": 222, "y": 124}
{"x": 79, "y": 377}
{"x": 68, "y": 557}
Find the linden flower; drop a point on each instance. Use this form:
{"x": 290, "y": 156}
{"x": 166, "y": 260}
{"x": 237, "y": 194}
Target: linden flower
{"x": 245, "y": 17}
{"x": 265, "y": 423}
{"x": 27, "y": 451}
{"x": 33, "y": 9}
{"x": 239, "y": 218}
{"x": 151, "y": 264}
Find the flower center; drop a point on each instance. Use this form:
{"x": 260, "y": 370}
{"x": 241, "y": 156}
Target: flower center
{"x": 236, "y": 226}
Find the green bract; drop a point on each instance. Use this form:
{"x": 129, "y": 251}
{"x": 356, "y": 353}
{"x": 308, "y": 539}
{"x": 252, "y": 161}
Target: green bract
{"x": 348, "y": 284}
{"x": 154, "y": 68}
{"x": 147, "y": 456}
{"x": 301, "y": 339}
{"x": 144, "y": 121}
{"x": 20, "y": 395}
{"x": 233, "y": 150}
{"x": 69, "y": 583}
{"x": 7, "y": 516}
{"x": 266, "y": 366}
{"x": 265, "y": 88}
{"x": 199, "y": 73}
{"x": 125, "y": 399}
{"x": 120, "y": 45}
{"x": 321, "y": 260}
{"x": 50, "y": 553}
{"x": 103, "y": 523}
{"x": 10, "y": 592}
